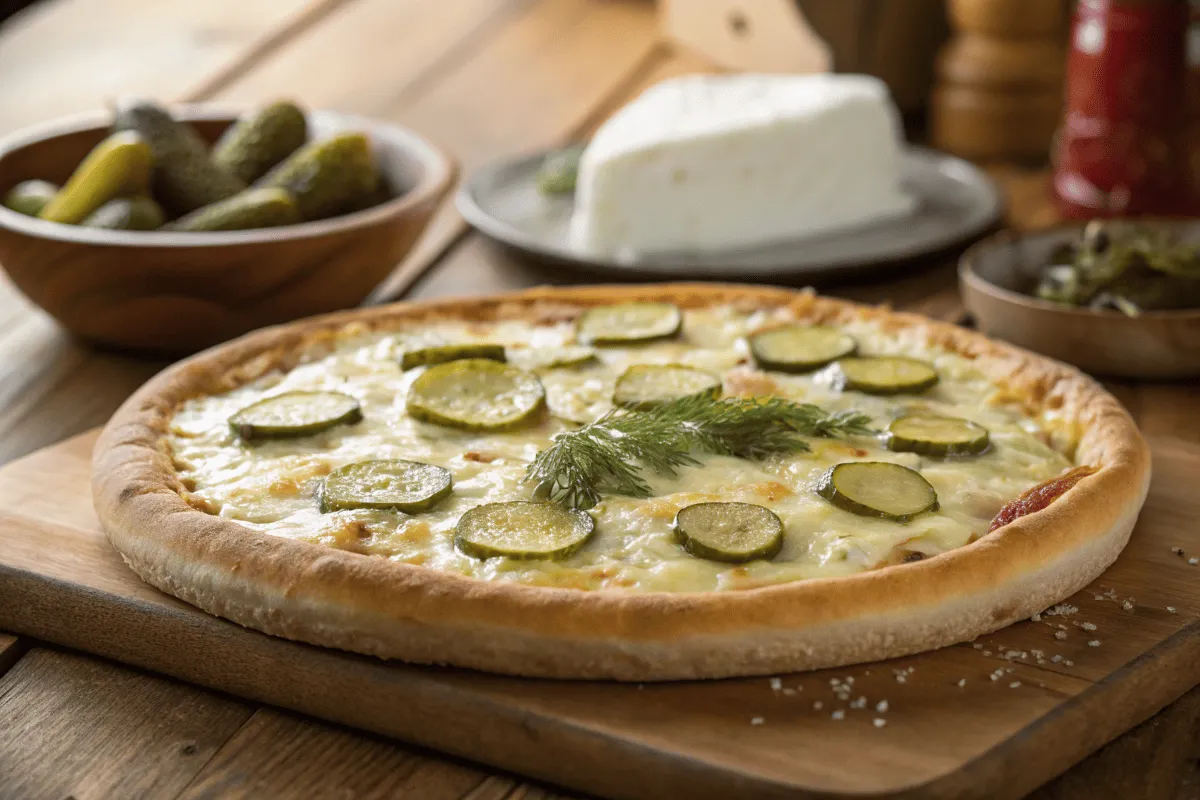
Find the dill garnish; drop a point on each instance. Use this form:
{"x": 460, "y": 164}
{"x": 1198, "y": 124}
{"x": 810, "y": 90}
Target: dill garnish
{"x": 610, "y": 454}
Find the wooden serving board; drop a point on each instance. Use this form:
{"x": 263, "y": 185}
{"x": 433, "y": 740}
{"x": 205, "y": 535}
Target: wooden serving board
{"x": 949, "y": 729}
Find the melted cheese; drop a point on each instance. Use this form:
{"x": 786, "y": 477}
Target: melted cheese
{"x": 271, "y": 487}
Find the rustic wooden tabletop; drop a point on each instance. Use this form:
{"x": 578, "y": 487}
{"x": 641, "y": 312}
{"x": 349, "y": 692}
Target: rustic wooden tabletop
{"x": 484, "y": 79}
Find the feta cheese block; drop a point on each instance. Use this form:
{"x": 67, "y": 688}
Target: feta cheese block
{"x": 724, "y": 162}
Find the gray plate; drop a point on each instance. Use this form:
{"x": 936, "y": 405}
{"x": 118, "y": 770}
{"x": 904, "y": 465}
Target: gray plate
{"x": 957, "y": 203}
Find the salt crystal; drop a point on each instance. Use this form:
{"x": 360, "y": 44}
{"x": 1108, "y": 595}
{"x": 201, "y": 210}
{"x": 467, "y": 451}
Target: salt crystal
{"x": 1194, "y": 561}
{"x": 757, "y": 721}
{"x": 1036, "y": 618}
{"x": 962, "y": 681}
{"x": 1014, "y": 684}
{"x": 1094, "y": 643}
{"x": 1060, "y": 635}
{"x": 839, "y": 714}
{"x": 1171, "y": 609}
{"x": 776, "y": 684}
{"x": 859, "y": 703}
{"x": 1127, "y": 605}
{"x": 881, "y": 706}
{"x": 880, "y": 722}
{"x": 1087, "y": 626}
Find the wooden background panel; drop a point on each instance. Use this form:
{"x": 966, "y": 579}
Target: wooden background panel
{"x": 63, "y": 709}
{"x": 71, "y": 55}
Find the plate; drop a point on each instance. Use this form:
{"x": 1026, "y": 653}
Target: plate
{"x": 957, "y": 203}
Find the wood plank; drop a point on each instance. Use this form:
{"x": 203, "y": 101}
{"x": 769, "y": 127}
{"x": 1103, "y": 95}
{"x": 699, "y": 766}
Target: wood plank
{"x": 276, "y": 754}
{"x": 59, "y": 578}
{"x": 52, "y": 62}
{"x": 78, "y": 727}
{"x": 11, "y": 649}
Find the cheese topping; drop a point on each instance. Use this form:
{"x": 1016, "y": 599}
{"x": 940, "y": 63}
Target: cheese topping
{"x": 272, "y": 486}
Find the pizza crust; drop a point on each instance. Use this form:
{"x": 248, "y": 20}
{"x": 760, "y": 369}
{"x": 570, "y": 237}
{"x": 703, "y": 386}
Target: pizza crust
{"x": 369, "y": 605}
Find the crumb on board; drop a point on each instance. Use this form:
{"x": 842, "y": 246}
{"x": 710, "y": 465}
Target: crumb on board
{"x": 1014, "y": 684}
{"x": 1127, "y": 605}
{"x": 1177, "y": 551}
{"x": 776, "y": 684}
{"x": 757, "y": 720}
{"x": 1088, "y": 626}
{"x": 1036, "y": 618}
{"x": 818, "y": 705}
{"x": 1094, "y": 643}
{"x": 789, "y": 692}
{"x": 1060, "y": 635}
{"x": 1171, "y": 609}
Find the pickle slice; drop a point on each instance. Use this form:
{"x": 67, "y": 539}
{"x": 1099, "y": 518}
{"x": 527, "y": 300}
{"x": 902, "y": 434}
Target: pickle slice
{"x": 878, "y": 489}
{"x": 730, "y": 532}
{"x": 442, "y": 353}
{"x": 885, "y": 375}
{"x": 800, "y": 348}
{"x": 294, "y": 414}
{"x": 395, "y": 485}
{"x": 535, "y": 358}
{"x": 644, "y": 386}
{"x": 522, "y": 530}
{"x": 932, "y": 435}
{"x": 628, "y": 322}
{"x": 475, "y": 394}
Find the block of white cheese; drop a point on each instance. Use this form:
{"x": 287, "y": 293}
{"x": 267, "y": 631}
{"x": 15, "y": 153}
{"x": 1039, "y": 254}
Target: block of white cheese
{"x": 705, "y": 163}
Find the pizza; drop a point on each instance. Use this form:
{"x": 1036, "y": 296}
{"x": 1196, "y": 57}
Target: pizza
{"x": 634, "y": 483}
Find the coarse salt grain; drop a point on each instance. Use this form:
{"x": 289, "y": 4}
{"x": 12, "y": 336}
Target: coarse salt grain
{"x": 1014, "y": 684}
{"x": 1171, "y": 609}
{"x": 1060, "y": 634}
{"x": 962, "y": 681}
{"x": 776, "y": 684}
{"x": 1094, "y": 643}
{"x": 1087, "y": 626}
{"x": 881, "y": 706}
{"x": 757, "y": 721}
{"x": 1127, "y": 605}
{"x": 880, "y": 722}
{"x": 1194, "y": 561}
{"x": 1036, "y": 618}
{"x": 839, "y": 714}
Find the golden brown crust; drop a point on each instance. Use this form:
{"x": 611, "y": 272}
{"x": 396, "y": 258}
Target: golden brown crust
{"x": 370, "y": 605}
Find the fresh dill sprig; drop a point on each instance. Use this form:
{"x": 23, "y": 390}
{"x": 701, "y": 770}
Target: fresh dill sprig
{"x": 610, "y": 454}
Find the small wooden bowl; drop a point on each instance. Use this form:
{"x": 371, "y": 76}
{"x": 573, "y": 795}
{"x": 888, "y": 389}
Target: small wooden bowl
{"x": 995, "y": 274}
{"x": 172, "y": 292}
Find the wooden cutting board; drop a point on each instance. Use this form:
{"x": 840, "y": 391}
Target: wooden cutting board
{"x": 993, "y": 719}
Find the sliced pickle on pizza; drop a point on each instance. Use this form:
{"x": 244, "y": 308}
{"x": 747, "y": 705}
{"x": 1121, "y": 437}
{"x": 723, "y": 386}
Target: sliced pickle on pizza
{"x": 644, "y": 386}
{"x": 443, "y": 353}
{"x": 884, "y": 375}
{"x": 936, "y": 435}
{"x": 535, "y": 358}
{"x": 392, "y": 485}
{"x": 800, "y": 348}
{"x": 522, "y": 530}
{"x": 731, "y": 532}
{"x": 878, "y": 489}
{"x": 628, "y": 323}
{"x": 476, "y": 395}
{"x": 294, "y": 414}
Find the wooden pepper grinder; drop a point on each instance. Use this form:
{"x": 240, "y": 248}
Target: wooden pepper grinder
{"x": 999, "y": 88}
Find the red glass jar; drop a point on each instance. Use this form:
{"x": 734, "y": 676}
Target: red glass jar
{"x": 1122, "y": 148}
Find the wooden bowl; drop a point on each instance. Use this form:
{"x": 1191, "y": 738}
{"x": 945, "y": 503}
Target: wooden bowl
{"x": 995, "y": 274}
{"x": 172, "y": 292}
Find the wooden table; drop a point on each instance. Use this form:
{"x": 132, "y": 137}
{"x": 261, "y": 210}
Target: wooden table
{"x": 483, "y": 78}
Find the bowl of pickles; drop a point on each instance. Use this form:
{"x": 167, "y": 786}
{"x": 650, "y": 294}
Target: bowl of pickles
{"x": 169, "y": 229}
{"x": 1115, "y": 298}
